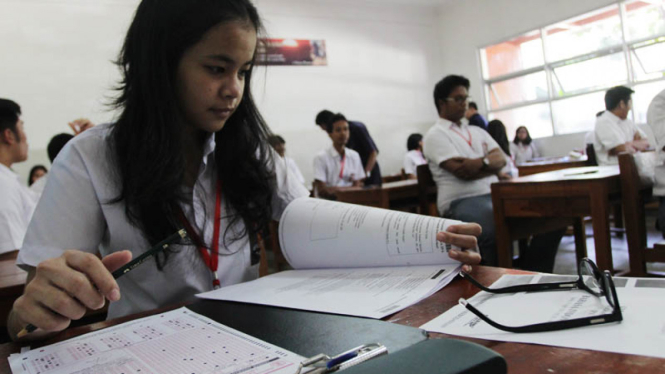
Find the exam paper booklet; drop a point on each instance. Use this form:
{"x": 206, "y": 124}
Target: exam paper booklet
{"x": 175, "y": 342}
{"x": 351, "y": 260}
{"x": 642, "y": 331}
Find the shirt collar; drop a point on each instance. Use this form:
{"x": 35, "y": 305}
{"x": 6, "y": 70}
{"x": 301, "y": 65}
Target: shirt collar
{"x": 7, "y": 172}
{"x": 208, "y": 147}
{"x": 446, "y": 123}
{"x": 614, "y": 118}
{"x": 333, "y": 152}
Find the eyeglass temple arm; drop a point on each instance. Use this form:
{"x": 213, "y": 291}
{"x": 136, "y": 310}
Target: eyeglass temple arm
{"x": 547, "y": 326}
{"x": 522, "y": 288}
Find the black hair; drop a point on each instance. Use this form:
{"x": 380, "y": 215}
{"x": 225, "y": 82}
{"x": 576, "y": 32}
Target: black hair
{"x": 9, "y": 114}
{"x": 600, "y": 113}
{"x": 323, "y": 117}
{"x": 526, "y": 141}
{"x": 472, "y": 105}
{"x": 335, "y": 118}
{"x": 146, "y": 139}
{"x": 275, "y": 140}
{"x": 615, "y": 95}
{"x": 56, "y": 144}
{"x": 498, "y": 132}
{"x": 413, "y": 142}
{"x": 32, "y": 173}
{"x": 446, "y": 85}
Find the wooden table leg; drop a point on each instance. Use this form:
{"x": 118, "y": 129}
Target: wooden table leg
{"x": 504, "y": 244}
{"x": 601, "y": 227}
{"x": 580, "y": 238}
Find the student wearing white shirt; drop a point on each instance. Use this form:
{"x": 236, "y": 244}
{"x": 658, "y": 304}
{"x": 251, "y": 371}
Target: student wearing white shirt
{"x": 17, "y": 202}
{"x": 614, "y": 132}
{"x": 337, "y": 167}
{"x": 465, "y": 161}
{"x": 497, "y": 130}
{"x": 414, "y": 157}
{"x": 522, "y": 147}
{"x": 656, "y": 120}
{"x": 279, "y": 145}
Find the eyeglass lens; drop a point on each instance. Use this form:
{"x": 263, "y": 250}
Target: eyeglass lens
{"x": 591, "y": 277}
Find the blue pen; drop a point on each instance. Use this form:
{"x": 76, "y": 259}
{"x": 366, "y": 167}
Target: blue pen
{"x": 341, "y": 359}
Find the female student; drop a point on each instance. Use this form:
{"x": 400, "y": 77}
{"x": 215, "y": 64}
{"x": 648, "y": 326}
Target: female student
{"x": 189, "y": 149}
{"x": 498, "y": 132}
{"x": 36, "y": 172}
{"x": 522, "y": 148}
{"x": 414, "y": 157}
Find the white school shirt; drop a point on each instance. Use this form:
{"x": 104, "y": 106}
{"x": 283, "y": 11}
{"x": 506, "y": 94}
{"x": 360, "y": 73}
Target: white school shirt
{"x": 328, "y": 163}
{"x": 75, "y": 212}
{"x": 445, "y": 140}
{"x": 610, "y": 132}
{"x": 523, "y": 153}
{"x": 291, "y": 164}
{"x": 412, "y": 160}
{"x": 656, "y": 120}
{"x": 16, "y": 206}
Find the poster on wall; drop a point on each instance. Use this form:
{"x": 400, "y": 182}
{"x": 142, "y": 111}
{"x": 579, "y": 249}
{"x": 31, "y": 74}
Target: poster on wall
{"x": 291, "y": 52}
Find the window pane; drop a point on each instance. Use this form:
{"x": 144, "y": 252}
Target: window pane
{"x": 577, "y": 114}
{"x": 598, "y": 72}
{"x": 518, "y": 90}
{"x": 647, "y": 59}
{"x": 584, "y": 34}
{"x": 645, "y": 19}
{"x": 642, "y": 97}
{"x": 518, "y": 54}
{"x": 535, "y": 117}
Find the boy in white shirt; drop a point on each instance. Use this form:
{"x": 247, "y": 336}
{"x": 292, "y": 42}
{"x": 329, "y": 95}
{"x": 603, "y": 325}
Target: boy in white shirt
{"x": 279, "y": 145}
{"x": 337, "y": 167}
{"x": 614, "y": 132}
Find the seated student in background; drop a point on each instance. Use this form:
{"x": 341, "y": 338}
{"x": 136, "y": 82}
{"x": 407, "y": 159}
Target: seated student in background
{"x": 361, "y": 142}
{"x": 17, "y": 202}
{"x": 522, "y": 147}
{"x": 497, "y": 131}
{"x": 338, "y": 166}
{"x": 614, "y": 131}
{"x": 656, "y": 120}
{"x": 279, "y": 145}
{"x": 474, "y": 118}
{"x": 414, "y": 157}
{"x": 465, "y": 161}
{"x": 194, "y": 145}
{"x": 36, "y": 173}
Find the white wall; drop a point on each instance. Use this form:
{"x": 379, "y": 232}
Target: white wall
{"x": 381, "y": 60}
{"x": 465, "y": 26}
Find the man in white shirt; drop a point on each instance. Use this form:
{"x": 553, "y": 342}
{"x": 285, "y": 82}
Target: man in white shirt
{"x": 279, "y": 145}
{"x": 656, "y": 120}
{"x": 337, "y": 167}
{"x": 17, "y": 202}
{"x": 614, "y": 132}
{"x": 465, "y": 161}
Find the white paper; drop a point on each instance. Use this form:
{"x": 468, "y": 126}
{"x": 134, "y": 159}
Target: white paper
{"x": 179, "y": 341}
{"x": 365, "y": 292}
{"x": 317, "y": 233}
{"x": 642, "y": 301}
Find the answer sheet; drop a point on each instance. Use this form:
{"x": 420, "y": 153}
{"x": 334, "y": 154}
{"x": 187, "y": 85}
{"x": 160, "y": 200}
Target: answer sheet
{"x": 179, "y": 341}
{"x": 642, "y": 331}
{"x": 363, "y": 292}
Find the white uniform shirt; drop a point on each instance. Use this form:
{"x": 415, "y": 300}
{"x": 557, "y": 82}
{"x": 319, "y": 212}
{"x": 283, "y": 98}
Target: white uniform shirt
{"x": 38, "y": 186}
{"x": 16, "y": 206}
{"x": 412, "y": 160}
{"x": 523, "y": 153}
{"x": 75, "y": 212}
{"x": 291, "y": 164}
{"x": 446, "y": 140}
{"x": 611, "y": 132}
{"x": 656, "y": 120}
{"x": 328, "y": 164}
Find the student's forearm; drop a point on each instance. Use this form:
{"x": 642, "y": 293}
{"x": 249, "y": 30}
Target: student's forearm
{"x": 371, "y": 161}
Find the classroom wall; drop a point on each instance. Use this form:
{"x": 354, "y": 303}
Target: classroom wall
{"x": 381, "y": 63}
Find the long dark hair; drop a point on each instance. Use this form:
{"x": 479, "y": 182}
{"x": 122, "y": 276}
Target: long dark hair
{"x": 146, "y": 138}
{"x": 413, "y": 142}
{"x": 498, "y": 132}
{"x": 526, "y": 141}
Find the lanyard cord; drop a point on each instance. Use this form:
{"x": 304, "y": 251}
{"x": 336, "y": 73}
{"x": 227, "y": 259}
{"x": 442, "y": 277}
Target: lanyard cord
{"x": 468, "y": 141}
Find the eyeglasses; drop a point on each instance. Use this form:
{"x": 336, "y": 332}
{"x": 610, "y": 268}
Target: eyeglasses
{"x": 591, "y": 280}
{"x": 459, "y": 99}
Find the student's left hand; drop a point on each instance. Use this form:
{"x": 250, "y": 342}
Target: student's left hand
{"x": 80, "y": 125}
{"x": 463, "y": 236}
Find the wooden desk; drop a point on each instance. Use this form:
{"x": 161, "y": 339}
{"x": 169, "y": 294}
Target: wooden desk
{"x": 550, "y": 164}
{"x": 521, "y": 358}
{"x": 393, "y": 195}
{"x": 12, "y": 279}
{"x": 542, "y": 202}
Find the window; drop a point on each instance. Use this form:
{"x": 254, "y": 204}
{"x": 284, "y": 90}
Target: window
{"x": 553, "y": 80}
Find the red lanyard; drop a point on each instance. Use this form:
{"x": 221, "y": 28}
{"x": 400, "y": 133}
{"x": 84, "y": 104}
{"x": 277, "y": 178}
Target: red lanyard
{"x": 341, "y": 170}
{"x": 468, "y": 141}
{"x": 211, "y": 258}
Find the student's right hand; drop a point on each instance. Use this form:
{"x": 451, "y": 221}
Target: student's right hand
{"x": 61, "y": 289}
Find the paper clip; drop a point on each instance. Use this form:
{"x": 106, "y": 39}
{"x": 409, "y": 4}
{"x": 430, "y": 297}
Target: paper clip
{"x": 323, "y": 363}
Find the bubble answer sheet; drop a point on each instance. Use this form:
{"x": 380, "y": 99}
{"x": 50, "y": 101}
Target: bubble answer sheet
{"x": 179, "y": 341}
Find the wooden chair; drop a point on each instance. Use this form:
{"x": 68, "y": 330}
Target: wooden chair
{"x": 392, "y": 178}
{"x": 426, "y": 191}
{"x": 617, "y": 212}
{"x": 634, "y": 195}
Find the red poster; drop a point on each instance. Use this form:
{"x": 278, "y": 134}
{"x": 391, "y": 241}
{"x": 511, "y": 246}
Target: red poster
{"x": 291, "y": 52}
